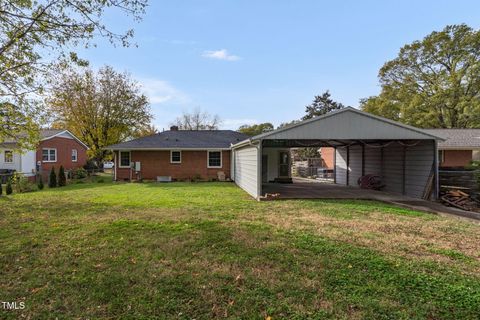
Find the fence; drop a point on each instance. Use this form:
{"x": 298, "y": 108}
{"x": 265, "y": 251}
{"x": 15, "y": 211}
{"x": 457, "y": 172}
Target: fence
{"x": 459, "y": 178}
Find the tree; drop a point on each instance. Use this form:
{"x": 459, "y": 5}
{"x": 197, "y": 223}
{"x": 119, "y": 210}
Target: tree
{"x": 52, "y": 180}
{"x": 36, "y": 34}
{"x": 62, "y": 180}
{"x": 255, "y": 129}
{"x": 321, "y": 105}
{"x": 101, "y": 108}
{"x": 146, "y": 130}
{"x": 197, "y": 120}
{"x": 433, "y": 83}
{"x": 19, "y": 126}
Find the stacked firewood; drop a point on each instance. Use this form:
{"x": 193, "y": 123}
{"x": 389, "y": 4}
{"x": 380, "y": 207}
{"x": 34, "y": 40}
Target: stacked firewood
{"x": 461, "y": 200}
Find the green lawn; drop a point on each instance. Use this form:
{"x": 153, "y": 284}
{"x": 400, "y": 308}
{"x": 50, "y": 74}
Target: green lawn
{"x": 207, "y": 250}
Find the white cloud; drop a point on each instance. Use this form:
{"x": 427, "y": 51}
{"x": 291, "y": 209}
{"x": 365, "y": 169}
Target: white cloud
{"x": 234, "y": 124}
{"x": 220, "y": 55}
{"x": 160, "y": 91}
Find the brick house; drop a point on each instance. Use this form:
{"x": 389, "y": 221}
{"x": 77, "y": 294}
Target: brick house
{"x": 176, "y": 155}
{"x": 460, "y": 147}
{"x": 56, "y": 148}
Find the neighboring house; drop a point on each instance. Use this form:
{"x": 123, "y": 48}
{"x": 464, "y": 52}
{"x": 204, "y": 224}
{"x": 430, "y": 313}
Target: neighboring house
{"x": 56, "y": 148}
{"x": 460, "y": 147}
{"x": 176, "y": 154}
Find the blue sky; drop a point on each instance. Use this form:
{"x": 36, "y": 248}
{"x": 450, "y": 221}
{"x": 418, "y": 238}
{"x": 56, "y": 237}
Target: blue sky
{"x": 264, "y": 60}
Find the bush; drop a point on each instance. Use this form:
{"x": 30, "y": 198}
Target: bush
{"x": 196, "y": 177}
{"x": 100, "y": 180}
{"x": 8, "y": 189}
{"x": 21, "y": 184}
{"x": 79, "y": 173}
{"x": 1, "y": 189}
{"x": 40, "y": 183}
{"x": 52, "y": 180}
{"x": 62, "y": 179}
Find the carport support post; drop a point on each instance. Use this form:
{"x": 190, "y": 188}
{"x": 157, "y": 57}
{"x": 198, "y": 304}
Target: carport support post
{"x": 259, "y": 169}
{"x": 363, "y": 159}
{"x": 335, "y": 165}
{"x": 348, "y": 165}
{"x": 404, "y": 158}
{"x": 436, "y": 175}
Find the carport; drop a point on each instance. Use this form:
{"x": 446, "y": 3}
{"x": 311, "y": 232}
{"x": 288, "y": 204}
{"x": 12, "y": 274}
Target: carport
{"x": 404, "y": 157}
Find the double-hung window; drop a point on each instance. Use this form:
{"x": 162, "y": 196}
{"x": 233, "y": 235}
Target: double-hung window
{"x": 8, "y": 156}
{"x": 124, "y": 159}
{"x": 175, "y": 156}
{"x": 74, "y": 155}
{"x": 214, "y": 159}
{"x": 49, "y": 155}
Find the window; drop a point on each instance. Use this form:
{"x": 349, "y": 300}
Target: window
{"x": 49, "y": 155}
{"x": 214, "y": 159}
{"x": 124, "y": 159}
{"x": 8, "y": 156}
{"x": 74, "y": 155}
{"x": 175, "y": 157}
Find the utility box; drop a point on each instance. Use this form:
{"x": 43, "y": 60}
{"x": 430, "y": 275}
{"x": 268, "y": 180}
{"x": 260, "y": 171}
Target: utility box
{"x": 137, "y": 167}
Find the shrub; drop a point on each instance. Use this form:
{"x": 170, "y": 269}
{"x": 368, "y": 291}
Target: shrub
{"x": 79, "y": 173}
{"x": 21, "y": 184}
{"x": 62, "y": 179}
{"x": 8, "y": 189}
{"x": 196, "y": 177}
{"x": 52, "y": 180}
{"x": 40, "y": 182}
{"x": 100, "y": 180}
{"x": 1, "y": 189}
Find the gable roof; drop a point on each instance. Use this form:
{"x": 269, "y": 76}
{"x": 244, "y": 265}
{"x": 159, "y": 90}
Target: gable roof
{"x": 457, "y": 138}
{"x": 347, "y": 124}
{"x": 46, "y": 134}
{"x": 183, "y": 139}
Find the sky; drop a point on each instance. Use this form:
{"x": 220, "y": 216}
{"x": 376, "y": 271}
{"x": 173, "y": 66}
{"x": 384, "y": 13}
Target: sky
{"x": 263, "y": 61}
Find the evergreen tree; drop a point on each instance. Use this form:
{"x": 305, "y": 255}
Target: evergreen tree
{"x": 9, "y": 189}
{"x": 40, "y": 183}
{"x": 52, "y": 181}
{"x": 1, "y": 190}
{"x": 62, "y": 180}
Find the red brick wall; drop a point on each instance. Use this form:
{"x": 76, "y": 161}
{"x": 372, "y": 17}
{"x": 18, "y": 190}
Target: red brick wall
{"x": 327, "y": 156}
{"x": 64, "y": 148}
{"x": 456, "y": 158}
{"x": 157, "y": 163}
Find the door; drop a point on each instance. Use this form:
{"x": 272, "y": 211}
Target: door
{"x": 264, "y": 168}
{"x": 284, "y": 165}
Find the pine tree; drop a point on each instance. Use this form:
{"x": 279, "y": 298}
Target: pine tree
{"x": 40, "y": 182}
{"x": 62, "y": 181}
{"x": 9, "y": 189}
{"x": 52, "y": 181}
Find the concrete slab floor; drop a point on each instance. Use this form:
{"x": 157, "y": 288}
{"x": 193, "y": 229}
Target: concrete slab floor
{"x": 302, "y": 189}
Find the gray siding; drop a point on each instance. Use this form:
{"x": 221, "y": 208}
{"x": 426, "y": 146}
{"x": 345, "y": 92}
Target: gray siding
{"x": 246, "y": 169}
{"x": 355, "y": 170}
{"x": 341, "y": 166}
{"x": 349, "y": 124}
{"x": 418, "y": 164}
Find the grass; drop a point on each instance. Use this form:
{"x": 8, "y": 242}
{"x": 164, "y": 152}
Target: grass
{"x": 207, "y": 250}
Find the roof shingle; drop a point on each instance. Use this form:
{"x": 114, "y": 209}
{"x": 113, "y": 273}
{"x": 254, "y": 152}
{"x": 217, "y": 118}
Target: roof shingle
{"x": 459, "y": 138}
{"x": 184, "y": 139}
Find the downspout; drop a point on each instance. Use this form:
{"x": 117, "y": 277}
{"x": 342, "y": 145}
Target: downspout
{"x": 114, "y": 165}
{"x": 435, "y": 159}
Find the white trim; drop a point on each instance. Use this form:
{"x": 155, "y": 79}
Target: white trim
{"x": 175, "y": 162}
{"x": 459, "y": 148}
{"x": 5, "y": 155}
{"x": 208, "y": 159}
{"x": 120, "y": 159}
{"x": 66, "y": 131}
{"x": 50, "y": 161}
{"x": 76, "y": 155}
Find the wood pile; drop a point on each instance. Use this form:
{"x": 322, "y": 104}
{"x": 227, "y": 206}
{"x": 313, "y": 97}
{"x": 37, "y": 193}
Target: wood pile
{"x": 461, "y": 200}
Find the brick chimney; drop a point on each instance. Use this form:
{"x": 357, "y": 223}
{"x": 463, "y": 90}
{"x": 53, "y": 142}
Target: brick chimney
{"x": 174, "y": 128}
